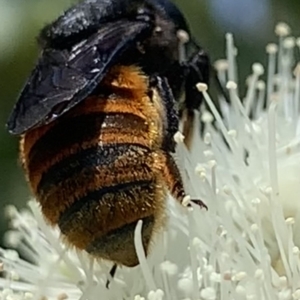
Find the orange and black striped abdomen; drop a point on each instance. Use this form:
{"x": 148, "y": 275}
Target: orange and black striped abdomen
{"x": 93, "y": 172}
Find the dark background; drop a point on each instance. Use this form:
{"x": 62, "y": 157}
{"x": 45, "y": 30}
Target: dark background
{"x": 251, "y": 21}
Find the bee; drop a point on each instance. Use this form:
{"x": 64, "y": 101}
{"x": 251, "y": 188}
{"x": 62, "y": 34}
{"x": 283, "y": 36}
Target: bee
{"x": 97, "y": 118}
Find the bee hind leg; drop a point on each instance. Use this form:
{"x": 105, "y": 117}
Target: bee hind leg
{"x": 198, "y": 202}
{"x": 112, "y": 273}
{"x": 172, "y": 177}
{"x": 197, "y": 69}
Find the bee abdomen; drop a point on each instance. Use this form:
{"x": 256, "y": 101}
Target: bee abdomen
{"x": 93, "y": 169}
{"x": 95, "y": 176}
{"x": 118, "y": 245}
{"x": 90, "y": 160}
{"x": 70, "y": 135}
{"x": 107, "y": 217}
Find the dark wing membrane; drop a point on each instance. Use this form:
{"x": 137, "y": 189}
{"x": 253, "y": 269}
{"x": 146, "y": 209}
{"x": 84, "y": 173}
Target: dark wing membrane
{"x": 63, "y": 78}
{"x": 84, "y": 18}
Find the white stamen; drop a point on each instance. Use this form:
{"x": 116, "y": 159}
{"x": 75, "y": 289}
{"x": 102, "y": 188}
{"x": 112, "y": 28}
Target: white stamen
{"x": 178, "y": 137}
{"x": 221, "y": 65}
{"x": 289, "y": 43}
{"x": 231, "y": 85}
{"x": 282, "y": 29}
{"x": 183, "y": 38}
{"x": 271, "y": 48}
{"x": 207, "y": 117}
{"x": 258, "y": 69}
{"x": 141, "y": 256}
{"x": 186, "y": 200}
{"x": 208, "y": 294}
{"x": 231, "y": 53}
{"x": 202, "y": 87}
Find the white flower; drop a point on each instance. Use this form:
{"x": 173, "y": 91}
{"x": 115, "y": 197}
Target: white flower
{"x": 246, "y": 246}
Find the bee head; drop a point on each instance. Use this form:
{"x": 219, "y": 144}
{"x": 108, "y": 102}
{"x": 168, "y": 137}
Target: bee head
{"x": 169, "y": 39}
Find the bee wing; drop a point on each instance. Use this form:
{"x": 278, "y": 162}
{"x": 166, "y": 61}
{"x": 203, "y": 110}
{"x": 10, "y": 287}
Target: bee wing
{"x": 63, "y": 78}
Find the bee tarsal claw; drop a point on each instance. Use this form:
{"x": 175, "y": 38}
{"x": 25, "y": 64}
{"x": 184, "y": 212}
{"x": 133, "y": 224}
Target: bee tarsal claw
{"x": 199, "y": 203}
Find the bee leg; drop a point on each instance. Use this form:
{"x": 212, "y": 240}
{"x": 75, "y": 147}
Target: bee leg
{"x": 162, "y": 86}
{"x": 174, "y": 182}
{"x": 112, "y": 273}
{"x": 196, "y": 70}
{"x": 198, "y": 202}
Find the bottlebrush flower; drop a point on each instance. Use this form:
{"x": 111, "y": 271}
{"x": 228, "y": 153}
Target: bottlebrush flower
{"x": 246, "y": 167}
